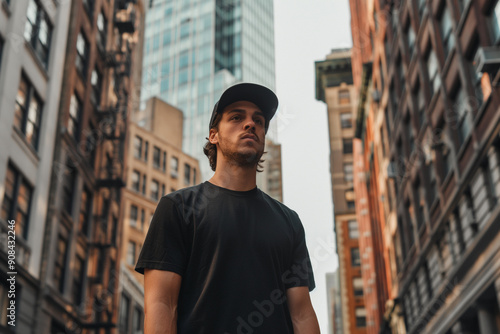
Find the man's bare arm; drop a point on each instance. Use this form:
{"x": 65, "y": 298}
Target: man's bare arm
{"x": 161, "y": 293}
{"x": 301, "y": 311}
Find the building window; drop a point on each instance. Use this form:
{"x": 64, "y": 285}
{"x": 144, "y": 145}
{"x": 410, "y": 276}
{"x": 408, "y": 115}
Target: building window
{"x": 360, "y": 313}
{"x": 28, "y": 112}
{"x": 96, "y": 82}
{"x": 194, "y": 175}
{"x": 143, "y": 217}
{"x": 82, "y": 55}
{"x": 101, "y": 32}
{"x": 187, "y": 174}
{"x": 38, "y": 31}
{"x": 357, "y": 284}
{"x": 444, "y": 155}
{"x": 352, "y": 226}
{"x": 495, "y": 23}
{"x": 78, "y": 276}
{"x": 350, "y": 196}
{"x": 69, "y": 187}
{"x": 60, "y": 264}
{"x": 164, "y": 166}
{"x": 355, "y": 259}
{"x": 348, "y": 169}
{"x": 85, "y": 207}
{"x": 17, "y": 200}
{"x": 458, "y": 115}
{"x": 156, "y": 157}
{"x": 131, "y": 253}
{"x": 133, "y": 215}
{"x": 410, "y": 35}
{"x": 137, "y": 321}
{"x": 347, "y": 145}
{"x": 146, "y": 150}
{"x": 123, "y": 317}
{"x": 137, "y": 147}
{"x": 346, "y": 120}
{"x": 446, "y": 28}
{"x": 174, "y": 167}
{"x": 433, "y": 71}
{"x": 75, "y": 117}
{"x": 344, "y": 96}
{"x": 136, "y": 176}
{"x": 143, "y": 184}
{"x": 155, "y": 187}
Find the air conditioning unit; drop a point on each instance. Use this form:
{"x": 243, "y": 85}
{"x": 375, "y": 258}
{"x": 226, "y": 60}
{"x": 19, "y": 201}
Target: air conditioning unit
{"x": 487, "y": 59}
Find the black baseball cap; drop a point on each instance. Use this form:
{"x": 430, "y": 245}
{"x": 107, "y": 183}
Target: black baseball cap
{"x": 261, "y": 96}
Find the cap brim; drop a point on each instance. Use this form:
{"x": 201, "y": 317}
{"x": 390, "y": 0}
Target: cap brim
{"x": 261, "y": 96}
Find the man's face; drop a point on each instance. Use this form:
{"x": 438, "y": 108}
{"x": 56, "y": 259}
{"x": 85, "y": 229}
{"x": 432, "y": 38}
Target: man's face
{"x": 240, "y": 137}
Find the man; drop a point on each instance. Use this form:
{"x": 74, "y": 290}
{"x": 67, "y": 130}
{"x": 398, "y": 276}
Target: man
{"x": 223, "y": 257}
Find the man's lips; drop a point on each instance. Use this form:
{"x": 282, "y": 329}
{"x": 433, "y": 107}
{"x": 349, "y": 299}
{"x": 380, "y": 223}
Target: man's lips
{"x": 250, "y": 136}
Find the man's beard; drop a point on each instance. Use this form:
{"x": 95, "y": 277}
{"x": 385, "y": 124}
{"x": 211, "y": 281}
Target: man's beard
{"x": 245, "y": 160}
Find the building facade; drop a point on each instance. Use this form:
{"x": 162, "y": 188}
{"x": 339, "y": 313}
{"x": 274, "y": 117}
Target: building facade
{"x": 429, "y": 126}
{"x": 194, "y": 50}
{"x": 334, "y": 86}
{"x": 31, "y": 33}
{"x": 79, "y": 278}
{"x": 334, "y": 303}
{"x": 156, "y": 166}
{"x": 270, "y": 180}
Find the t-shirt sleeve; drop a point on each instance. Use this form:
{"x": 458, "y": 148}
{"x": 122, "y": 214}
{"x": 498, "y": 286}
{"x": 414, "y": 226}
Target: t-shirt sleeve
{"x": 166, "y": 243}
{"x": 300, "y": 272}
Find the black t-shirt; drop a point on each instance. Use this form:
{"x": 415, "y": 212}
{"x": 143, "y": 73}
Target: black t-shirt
{"x": 237, "y": 253}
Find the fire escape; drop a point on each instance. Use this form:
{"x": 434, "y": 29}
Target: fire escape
{"x": 110, "y": 175}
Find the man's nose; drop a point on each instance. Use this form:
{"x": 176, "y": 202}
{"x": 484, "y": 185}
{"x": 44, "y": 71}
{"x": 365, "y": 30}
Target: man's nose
{"x": 250, "y": 124}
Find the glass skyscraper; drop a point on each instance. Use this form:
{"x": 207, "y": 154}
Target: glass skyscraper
{"x": 195, "y": 49}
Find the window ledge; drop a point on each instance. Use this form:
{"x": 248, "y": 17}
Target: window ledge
{"x": 37, "y": 60}
{"x": 29, "y": 150}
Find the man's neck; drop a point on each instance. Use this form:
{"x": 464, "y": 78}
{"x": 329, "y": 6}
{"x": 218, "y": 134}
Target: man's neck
{"x": 234, "y": 177}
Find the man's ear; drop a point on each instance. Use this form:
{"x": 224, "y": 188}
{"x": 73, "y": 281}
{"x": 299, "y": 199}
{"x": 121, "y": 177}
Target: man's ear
{"x": 213, "y": 136}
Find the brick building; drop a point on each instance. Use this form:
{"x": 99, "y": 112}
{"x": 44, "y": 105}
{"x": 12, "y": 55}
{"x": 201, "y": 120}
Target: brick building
{"x": 429, "y": 127}
{"x": 334, "y": 86}
{"x": 80, "y": 272}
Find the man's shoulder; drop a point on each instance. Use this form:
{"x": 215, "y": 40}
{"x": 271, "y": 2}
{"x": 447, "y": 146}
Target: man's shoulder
{"x": 279, "y": 206}
{"x": 184, "y": 194}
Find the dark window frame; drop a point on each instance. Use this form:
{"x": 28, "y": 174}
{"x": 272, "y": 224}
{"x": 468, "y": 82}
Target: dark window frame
{"x": 82, "y": 60}
{"x": 23, "y": 121}
{"x": 85, "y": 211}
{"x": 347, "y": 146}
{"x": 75, "y": 112}
{"x": 156, "y": 157}
{"x": 12, "y": 207}
{"x": 32, "y": 32}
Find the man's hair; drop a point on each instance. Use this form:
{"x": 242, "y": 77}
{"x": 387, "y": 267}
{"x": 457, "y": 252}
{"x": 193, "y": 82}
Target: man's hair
{"x": 210, "y": 149}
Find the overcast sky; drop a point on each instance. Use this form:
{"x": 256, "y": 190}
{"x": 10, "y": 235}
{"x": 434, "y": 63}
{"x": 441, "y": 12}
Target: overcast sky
{"x": 306, "y": 31}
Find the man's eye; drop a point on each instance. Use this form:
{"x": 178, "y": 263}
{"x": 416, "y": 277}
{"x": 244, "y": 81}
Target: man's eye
{"x": 237, "y": 117}
{"x": 259, "y": 121}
